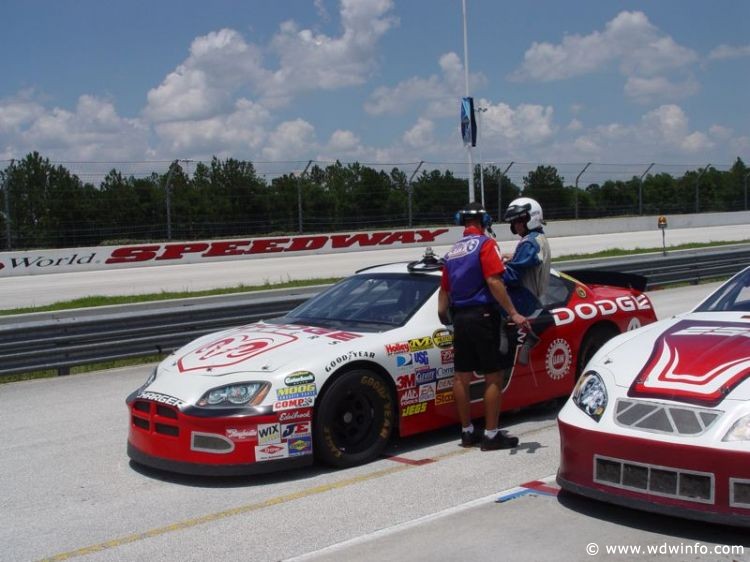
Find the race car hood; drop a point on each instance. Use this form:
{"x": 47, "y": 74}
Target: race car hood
{"x": 697, "y": 357}
{"x": 254, "y": 348}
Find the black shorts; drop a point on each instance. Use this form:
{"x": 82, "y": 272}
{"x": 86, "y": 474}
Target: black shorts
{"x": 476, "y": 336}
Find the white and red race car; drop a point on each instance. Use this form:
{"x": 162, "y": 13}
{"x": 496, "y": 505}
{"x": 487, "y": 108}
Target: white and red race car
{"x": 336, "y": 377}
{"x": 660, "y": 418}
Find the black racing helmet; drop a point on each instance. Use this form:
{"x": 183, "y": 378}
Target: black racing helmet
{"x": 473, "y": 210}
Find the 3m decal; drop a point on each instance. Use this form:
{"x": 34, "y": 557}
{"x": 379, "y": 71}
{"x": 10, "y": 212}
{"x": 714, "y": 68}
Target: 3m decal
{"x": 558, "y": 359}
{"x": 696, "y": 362}
{"x": 232, "y": 349}
{"x": 406, "y": 381}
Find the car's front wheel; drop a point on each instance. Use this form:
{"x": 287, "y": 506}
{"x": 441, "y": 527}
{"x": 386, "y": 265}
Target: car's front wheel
{"x": 354, "y": 419}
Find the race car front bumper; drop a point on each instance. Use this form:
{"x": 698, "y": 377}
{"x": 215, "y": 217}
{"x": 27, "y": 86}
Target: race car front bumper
{"x": 703, "y": 483}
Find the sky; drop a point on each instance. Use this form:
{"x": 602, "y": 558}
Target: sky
{"x": 376, "y": 81}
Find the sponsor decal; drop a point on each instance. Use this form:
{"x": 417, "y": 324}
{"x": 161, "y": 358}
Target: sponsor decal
{"x": 462, "y": 248}
{"x": 50, "y": 262}
{"x": 242, "y": 433}
{"x": 331, "y": 334}
{"x": 230, "y": 248}
{"x": 295, "y": 415}
{"x": 404, "y": 360}
{"x": 442, "y": 398}
{"x": 396, "y": 348}
{"x": 446, "y": 356}
{"x": 161, "y": 398}
{"x": 300, "y": 391}
{"x": 232, "y": 349}
{"x": 445, "y": 372}
{"x": 442, "y": 338}
{"x": 418, "y": 344}
{"x": 427, "y": 392}
{"x": 410, "y": 396}
{"x": 424, "y": 375}
{"x": 300, "y": 446}
{"x": 272, "y": 451}
{"x": 559, "y": 359}
{"x": 300, "y": 377}
{"x": 406, "y": 381}
{"x": 268, "y": 433}
{"x": 346, "y": 358}
{"x": 297, "y": 429}
{"x": 444, "y": 383}
{"x": 696, "y": 362}
{"x": 603, "y": 307}
{"x": 580, "y": 291}
{"x": 414, "y": 409}
{"x": 292, "y": 404}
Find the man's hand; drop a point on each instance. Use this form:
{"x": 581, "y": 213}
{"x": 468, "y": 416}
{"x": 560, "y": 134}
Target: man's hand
{"x": 520, "y": 320}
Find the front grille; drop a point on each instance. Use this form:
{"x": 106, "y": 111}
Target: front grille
{"x": 152, "y": 416}
{"x": 662, "y": 418}
{"x": 658, "y": 480}
{"x": 739, "y": 495}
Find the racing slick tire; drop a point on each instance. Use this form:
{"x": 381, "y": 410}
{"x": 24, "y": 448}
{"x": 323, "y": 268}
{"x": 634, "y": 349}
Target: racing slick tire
{"x": 354, "y": 420}
{"x": 596, "y": 337}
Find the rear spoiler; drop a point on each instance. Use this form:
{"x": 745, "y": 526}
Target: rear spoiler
{"x": 603, "y": 277}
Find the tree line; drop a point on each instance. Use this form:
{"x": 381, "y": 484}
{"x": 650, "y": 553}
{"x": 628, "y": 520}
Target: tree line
{"x": 45, "y": 205}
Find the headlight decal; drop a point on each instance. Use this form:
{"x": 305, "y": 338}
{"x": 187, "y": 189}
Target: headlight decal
{"x": 740, "y": 430}
{"x": 590, "y": 395}
{"x": 231, "y": 395}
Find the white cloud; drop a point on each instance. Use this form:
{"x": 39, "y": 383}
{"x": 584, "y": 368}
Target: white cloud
{"x": 642, "y": 52}
{"x": 526, "y": 124}
{"x": 440, "y": 93}
{"x": 343, "y": 142}
{"x": 574, "y": 125}
{"x": 723, "y": 52}
{"x": 421, "y": 135}
{"x": 92, "y": 131}
{"x": 646, "y": 90}
{"x": 290, "y": 141}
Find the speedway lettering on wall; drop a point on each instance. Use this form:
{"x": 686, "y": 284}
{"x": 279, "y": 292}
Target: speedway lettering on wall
{"x": 177, "y": 253}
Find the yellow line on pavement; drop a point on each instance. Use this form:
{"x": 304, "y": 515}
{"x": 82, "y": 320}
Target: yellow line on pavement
{"x": 208, "y": 518}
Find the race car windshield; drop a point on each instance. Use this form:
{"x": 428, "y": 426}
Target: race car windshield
{"x": 733, "y": 296}
{"x": 371, "y": 302}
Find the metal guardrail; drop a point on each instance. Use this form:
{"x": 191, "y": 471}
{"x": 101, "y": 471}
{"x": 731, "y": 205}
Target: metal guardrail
{"x": 61, "y": 340}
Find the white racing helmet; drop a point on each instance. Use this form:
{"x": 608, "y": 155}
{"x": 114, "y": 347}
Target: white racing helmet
{"x": 525, "y": 207}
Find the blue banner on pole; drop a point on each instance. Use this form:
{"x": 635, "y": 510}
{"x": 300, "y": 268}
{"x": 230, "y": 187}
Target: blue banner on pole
{"x": 468, "y": 122}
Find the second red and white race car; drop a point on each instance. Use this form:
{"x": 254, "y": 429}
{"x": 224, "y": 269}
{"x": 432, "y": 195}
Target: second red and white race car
{"x": 339, "y": 375}
{"x": 660, "y": 419}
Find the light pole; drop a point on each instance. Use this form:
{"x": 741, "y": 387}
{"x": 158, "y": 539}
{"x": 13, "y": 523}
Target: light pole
{"x": 466, "y": 80}
{"x": 500, "y": 192}
{"x": 299, "y": 195}
{"x": 480, "y": 110}
{"x": 640, "y": 189}
{"x": 410, "y": 187}
{"x": 747, "y": 174}
{"x": 576, "y": 191}
{"x": 697, "y": 182}
{"x": 6, "y": 214}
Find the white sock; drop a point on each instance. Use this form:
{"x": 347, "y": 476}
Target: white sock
{"x": 490, "y": 433}
{"x": 468, "y": 429}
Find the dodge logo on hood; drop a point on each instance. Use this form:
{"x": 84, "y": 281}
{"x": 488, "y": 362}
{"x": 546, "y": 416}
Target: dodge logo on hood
{"x": 696, "y": 362}
{"x": 232, "y": 349}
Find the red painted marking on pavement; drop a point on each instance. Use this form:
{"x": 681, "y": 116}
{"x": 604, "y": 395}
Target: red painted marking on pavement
{"x": 412, "y": 462}
{"x": 540, "y": 486}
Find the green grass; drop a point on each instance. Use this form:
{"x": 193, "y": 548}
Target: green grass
{"x": 51, "y": 373}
